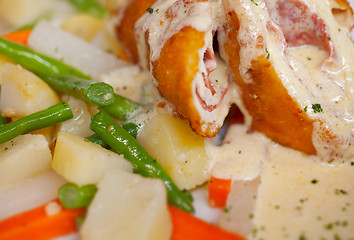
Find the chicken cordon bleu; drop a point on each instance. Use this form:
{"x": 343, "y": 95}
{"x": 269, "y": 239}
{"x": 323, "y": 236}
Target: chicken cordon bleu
{"x": 289, "y": 66}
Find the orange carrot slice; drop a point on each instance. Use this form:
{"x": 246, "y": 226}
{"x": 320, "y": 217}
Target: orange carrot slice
{"x": 41, "y": 223}
{"x": 20, "y": 36}
{"x": 218, "y": 191}
{"x": 187, "y": 226}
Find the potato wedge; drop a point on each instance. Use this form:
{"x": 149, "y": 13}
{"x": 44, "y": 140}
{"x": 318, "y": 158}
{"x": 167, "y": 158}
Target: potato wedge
{"x": 128, "y": 206}
{"x": 83, "y": 162}
{"x": 177, "y": 148}
{"x": 23, "y": 157}
{"x": 23, "y": 93}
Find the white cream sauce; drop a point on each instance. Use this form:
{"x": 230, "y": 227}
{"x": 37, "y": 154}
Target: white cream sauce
{"x": 280, "y": 193}
{"x": 329, "y": 84}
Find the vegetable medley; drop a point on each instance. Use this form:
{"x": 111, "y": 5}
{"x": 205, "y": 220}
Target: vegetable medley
{"x": 89, "y": 149}
{"x": 77, "y": 133}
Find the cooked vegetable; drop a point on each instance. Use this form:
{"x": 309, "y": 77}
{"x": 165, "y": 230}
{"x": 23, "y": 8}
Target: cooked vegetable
{"x": 80, "y": 123}
{"x": 187, "y": 226}
{"x": 219, "y": 190}
{"x": 19, "y": 36}
{"x": 72, "y": 196}
{"x": 124, "y": 143}
{"x": 50, "y": 116}
{"x": 128, "y": 206}
{"x": 179, "y": 150}
{"x": 97, "y": 140}
{"x": 76, "y": 52}
{"x": 22, "y": 158}
{"x": 98, "y": 93}
{"x": 24, "y": 93}
{"x": 29, "y": 193}
{"x": 37, "y": 63}
{"x": 48, "y": 221}
{"x": 89, "y": 6}
{"x": 83, "y": 25}
{"x": 3, "y": 120}
{"x": 122, "y": 108}
{"x": 82, "y": 162}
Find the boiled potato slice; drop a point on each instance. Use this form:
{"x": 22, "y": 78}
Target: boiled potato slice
{"x": 23, "y": 93}
{"x": 23, "y": 157}
{"x": 177, "y": 148}
{"x": 83, "y": 162}
{"x": 82, "y": 25}
{"x": 20, "y": 12}
{"x": 3, "y": 60}
{"x": 128, "y": 206}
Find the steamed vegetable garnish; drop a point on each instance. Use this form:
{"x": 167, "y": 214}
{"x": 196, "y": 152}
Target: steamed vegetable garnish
{"x": 19, "y": 36}
{"x": 37, "y": 63}
{"x": 98, "y": 93}
{"x": 187, "y": 226}
{"x": 50, "y": 116}
{"x": 48, "y": 221}
{"x": 97, "y": 140}
{"x": 122, "y": 108}
{"x": 122, "y": 142}
{"x": 3, "y": 120}
{"x": 90, "y": 6}
{"x": 72, "y": 196}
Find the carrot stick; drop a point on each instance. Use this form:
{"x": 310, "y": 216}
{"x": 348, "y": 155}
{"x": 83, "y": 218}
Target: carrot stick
{"x": 40, "y": 224}
{"x": 20, "y": 36}
{"x": 218, "y": 191}
{"x": 188, "y": 227}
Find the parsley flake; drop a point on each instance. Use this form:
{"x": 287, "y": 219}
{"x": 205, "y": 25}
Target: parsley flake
{"x": 314, "y": 181}
{"x": 308, "y": 58}
{"x": 305, "y": 109}
{"x": 340, "y": 191}
{"x": 254, "y": 2}
{"x": 317, "y": 108}
{"x": 268, "y": 54}
{"x": 150, "y": 10}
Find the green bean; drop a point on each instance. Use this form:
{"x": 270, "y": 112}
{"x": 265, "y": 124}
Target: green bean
{"x": 122, "y": 108}
{"x": 35, "y": 62}
{"x": 118, "y": 107}
{"x": 97, "y": 140}
{"x": 50, "y": 116}
{"x": 124, "y": 143}
{"x": 72, "y": 196}
{"x": 98, "y": 93}
{"x": 89, "y": 6}
{"x": 130, "y": 127}
{"x": 3, "y": 120}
